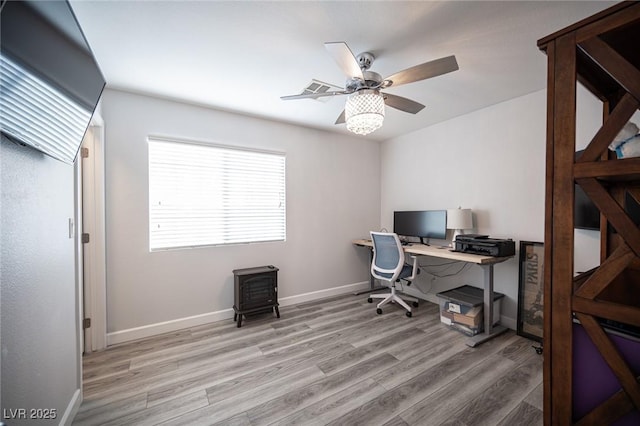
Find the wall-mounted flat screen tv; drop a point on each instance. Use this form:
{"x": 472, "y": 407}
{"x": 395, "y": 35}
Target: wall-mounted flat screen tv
{"x": 587, "y": 216}
{"x": 50, "y": 82}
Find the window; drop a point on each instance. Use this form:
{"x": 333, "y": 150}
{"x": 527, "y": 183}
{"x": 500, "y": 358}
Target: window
{"x": 202, "y": 195}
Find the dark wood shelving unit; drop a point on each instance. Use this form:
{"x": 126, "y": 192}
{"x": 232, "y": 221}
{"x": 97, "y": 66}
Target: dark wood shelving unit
{"x": 603, "y": 53}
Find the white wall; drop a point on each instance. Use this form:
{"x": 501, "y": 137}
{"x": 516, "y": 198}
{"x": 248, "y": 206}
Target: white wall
{"x": 586, "y": 243}
{"x": 491, "y": 161}
{"x": 39, "y": 304}
{"x": 333, "y": 196}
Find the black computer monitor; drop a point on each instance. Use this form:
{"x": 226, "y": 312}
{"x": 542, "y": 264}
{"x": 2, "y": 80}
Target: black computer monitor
{"x": 422, "y": 224}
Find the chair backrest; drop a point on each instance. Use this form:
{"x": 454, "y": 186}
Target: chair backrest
{"x": 388, "y": 256}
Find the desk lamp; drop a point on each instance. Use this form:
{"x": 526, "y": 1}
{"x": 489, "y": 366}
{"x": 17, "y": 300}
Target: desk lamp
{"x": 459, "y": 219}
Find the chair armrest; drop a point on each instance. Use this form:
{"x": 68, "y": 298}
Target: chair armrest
{"x": 414, "y": 271}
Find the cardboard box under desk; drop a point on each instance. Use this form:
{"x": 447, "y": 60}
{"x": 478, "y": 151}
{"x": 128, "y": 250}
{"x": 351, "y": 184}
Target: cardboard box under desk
{"x": 462, "y": 308}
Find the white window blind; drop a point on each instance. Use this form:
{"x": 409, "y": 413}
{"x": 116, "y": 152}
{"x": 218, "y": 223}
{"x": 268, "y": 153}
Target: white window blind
{"x": 208, "y": 195}
{"x": 36, "y": 113}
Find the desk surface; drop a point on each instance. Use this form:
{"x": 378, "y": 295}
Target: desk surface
{"x": 442, "y": 252}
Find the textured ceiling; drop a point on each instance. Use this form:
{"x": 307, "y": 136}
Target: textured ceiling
{"x": 241, "y": 56}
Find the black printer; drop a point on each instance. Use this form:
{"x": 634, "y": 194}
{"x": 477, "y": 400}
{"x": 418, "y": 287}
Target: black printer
{"x": 482, "y": 244}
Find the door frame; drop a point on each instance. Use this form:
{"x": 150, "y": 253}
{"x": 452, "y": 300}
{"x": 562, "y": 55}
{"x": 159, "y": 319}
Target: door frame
{"x": 93, "y": 223}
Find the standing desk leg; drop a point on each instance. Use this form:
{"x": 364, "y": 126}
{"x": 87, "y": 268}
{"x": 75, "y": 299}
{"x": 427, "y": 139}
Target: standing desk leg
{"x": 489, "y": 330}
{"x": 372, "y": 281}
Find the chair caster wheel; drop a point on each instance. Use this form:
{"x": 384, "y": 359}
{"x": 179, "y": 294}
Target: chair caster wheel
{"x": 415, "y": 304}
{"x": 409, "y": 314}
{"x": 379, "y": 311}
{"x": 370, "y": 300}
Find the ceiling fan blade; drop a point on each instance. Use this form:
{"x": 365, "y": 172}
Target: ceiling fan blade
{"x": 423, "y": 71}
{"x": 314, "y": 95}
{"x": 403, "y": 104}
{"x": 341, "y": 119}
{"x": 345, "y": 59}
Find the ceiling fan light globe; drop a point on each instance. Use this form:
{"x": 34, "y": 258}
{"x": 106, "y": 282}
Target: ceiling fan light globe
{"x": 363, "y": 124}
{"x": 364, "y": 112}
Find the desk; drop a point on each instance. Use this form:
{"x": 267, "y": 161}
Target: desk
{"x": 485, "y": 262}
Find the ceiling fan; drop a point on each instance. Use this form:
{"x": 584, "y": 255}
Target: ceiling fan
{"x": 364, "y": 110}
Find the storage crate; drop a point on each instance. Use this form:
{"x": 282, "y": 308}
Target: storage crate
{"x": 462, "y": 308}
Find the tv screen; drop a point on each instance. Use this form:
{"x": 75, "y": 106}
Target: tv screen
{"x": 585, "y": 214}
{"x": 632, "y": 208}
{"x": 50, "y": 82}
{"x": 423, "y": 224}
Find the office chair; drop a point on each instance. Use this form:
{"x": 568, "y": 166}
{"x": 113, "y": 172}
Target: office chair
{"x": 389, "y": 265}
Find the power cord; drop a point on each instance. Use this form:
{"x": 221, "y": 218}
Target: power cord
{"x": 419, "y": 287}
{"x": 538, "y": 349}
{"x": 440, "y": 275}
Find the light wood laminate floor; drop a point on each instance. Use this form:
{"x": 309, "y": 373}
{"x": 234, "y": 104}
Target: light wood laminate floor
{"x": 327, "y": 362}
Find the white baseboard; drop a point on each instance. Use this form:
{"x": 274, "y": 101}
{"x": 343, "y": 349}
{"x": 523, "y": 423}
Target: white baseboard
{"x": 508, "y": 322}
{"x": 72, "y": 409}
{"x": 166, "y": 326}
{"x": 225, "y": 314}
{"x": 209, "y": 317}
{"x": 321, "y": 294}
